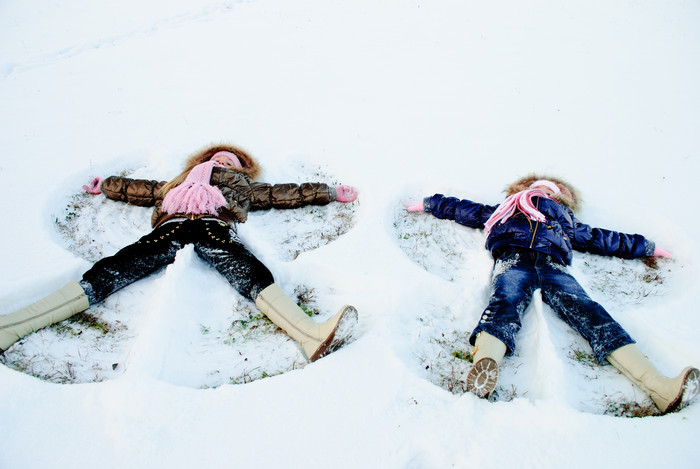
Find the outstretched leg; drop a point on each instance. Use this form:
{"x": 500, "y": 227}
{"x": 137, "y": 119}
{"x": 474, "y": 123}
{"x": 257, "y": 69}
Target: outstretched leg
{"x": 669, "y": 394}
{"x": 611, "y": 343}
{"x": 219, "y": 245}
{"x": 316, "y": 339}
{"x": 513, "y": 283}
{"x": 569, "y": 300}
{"x": 108, "y": 275}
{"x": 134, "y": 262}
{"x": 60, "y": 305}
{"x": 221, "y": 248}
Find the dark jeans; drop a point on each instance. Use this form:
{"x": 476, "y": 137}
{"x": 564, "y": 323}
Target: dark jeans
{"x": 214, "y": 241}
{"x": 517, "y": 274}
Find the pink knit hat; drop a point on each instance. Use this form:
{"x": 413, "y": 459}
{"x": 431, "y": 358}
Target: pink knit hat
{"x": 230, "y": 155}
{"x": 546, "y": 183}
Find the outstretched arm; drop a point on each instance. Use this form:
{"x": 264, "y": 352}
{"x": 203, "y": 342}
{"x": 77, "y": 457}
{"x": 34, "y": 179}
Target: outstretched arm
{"x": 266, "y": 196}
{"x": 612, "y": 243}
{"x": 142, "y": 192}
{"x": 465, "y": 212}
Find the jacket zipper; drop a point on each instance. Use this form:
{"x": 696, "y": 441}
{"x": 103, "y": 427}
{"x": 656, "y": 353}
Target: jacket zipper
{"x": 537, "y": 224}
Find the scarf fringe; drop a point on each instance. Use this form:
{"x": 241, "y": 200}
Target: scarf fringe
{"x": 195, "y": 195}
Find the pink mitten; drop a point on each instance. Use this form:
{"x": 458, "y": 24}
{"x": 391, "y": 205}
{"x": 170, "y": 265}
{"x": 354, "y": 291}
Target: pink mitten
{"x": 93, "y": 187}
{"x": 413, "y": 205}
{"x": 346, "y": 193}
{"x": 661, "y": 252}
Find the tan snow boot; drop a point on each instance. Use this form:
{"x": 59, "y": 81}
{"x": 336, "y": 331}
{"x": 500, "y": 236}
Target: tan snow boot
{"x": 669, "y": 394}
{"x": 60, "y": 305}
{"x": 316, "y": 339}
{"x": 487, "y": 354}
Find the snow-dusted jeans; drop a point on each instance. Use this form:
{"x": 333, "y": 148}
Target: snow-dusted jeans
{"x": 517, "y": 274}
{"x": 214, "y": 241}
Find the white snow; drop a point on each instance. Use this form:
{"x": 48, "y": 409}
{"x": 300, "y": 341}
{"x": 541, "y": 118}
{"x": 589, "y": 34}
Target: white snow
{"x": 402, "y": 99}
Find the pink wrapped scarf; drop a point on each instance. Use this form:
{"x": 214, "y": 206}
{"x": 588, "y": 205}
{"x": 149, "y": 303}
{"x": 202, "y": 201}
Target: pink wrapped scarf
{"x": 520, "y": 201}
{"x": 195, "y": 195}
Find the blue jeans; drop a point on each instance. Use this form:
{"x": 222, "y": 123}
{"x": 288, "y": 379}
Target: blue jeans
{"x": 517, "y": 274}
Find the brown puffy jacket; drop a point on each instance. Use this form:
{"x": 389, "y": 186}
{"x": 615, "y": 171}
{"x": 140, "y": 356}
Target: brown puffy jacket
{"x": 242, "y": 195}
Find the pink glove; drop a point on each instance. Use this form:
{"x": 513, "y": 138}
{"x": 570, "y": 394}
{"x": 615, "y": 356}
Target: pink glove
{"x": 661, "y": 252}
{"x": 413, "y": 205}
{"x": 346, "y": 194}
{"x": 93, "y": 187}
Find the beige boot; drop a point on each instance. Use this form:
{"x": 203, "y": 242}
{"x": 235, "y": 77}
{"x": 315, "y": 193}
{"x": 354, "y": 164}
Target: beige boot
{"x": 317, "y": 339}
{"x": 487, "y": 354}
{"x": 60, "y": 305}
{"x": 669, "y": 394}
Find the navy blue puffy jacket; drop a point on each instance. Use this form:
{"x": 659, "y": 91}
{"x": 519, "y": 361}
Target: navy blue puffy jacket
{"x": 558, "y": 236}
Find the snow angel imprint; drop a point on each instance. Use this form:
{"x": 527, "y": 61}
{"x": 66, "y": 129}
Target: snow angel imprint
{"x": 200, "y": 206}
{"x": 532, "y": 236}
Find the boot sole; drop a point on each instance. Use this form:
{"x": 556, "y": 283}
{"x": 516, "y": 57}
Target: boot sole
{"x": 689, "y": 391}
{"x": 482, "y": 378}
{"x": 341, "y": 333}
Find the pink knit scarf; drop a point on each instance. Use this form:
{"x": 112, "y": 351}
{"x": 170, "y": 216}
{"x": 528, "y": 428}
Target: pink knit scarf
{"x": 195, "y": 195}
{"x": 520, "y": 201}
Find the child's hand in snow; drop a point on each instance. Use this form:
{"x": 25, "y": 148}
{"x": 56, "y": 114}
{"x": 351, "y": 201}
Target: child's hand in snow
{"x": 413, "y": 205}
{"x": 93, "y": 187}
{"x": 661, "y": 252}
{"x": 346, "y": 194}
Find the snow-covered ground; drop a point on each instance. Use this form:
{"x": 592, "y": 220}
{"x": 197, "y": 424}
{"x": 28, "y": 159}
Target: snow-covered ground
{"x": 401, "y": 99}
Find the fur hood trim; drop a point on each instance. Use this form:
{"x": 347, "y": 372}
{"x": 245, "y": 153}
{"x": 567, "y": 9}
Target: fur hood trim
{"x": 573, "y": 202}
{"x": 251, "y": 167}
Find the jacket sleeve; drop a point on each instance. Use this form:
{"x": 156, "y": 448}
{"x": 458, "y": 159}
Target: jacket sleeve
{"x": 610, "y": 243}
{"x": 140, "y": 192}
{"x": 265, "y": 196}
{"x": 465, "y": 212}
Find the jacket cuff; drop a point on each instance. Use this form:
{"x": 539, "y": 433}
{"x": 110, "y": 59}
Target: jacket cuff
{"x": 332, "y": 193}
{"x": 426, "y": 204}
{"x": 649, "y": 248}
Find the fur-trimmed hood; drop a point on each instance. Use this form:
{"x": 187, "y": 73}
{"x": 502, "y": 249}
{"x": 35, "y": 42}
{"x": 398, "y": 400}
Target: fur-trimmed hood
{"x": 251, "y": 168}
{"x": 573, "y": 202}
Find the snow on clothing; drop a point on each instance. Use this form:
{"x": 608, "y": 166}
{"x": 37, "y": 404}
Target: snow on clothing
{"x": 534, "y": 254}
{"x": 214, "y": 241}
{"x": 213, "y": 236}
{"x": 517, "y": 274}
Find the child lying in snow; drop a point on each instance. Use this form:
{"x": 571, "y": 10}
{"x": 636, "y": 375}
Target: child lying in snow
{"x": 531, "y": 235}
{"x": 200, "y": 206}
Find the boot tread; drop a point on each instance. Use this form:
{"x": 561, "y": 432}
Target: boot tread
{"x": 482, "y": 378}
